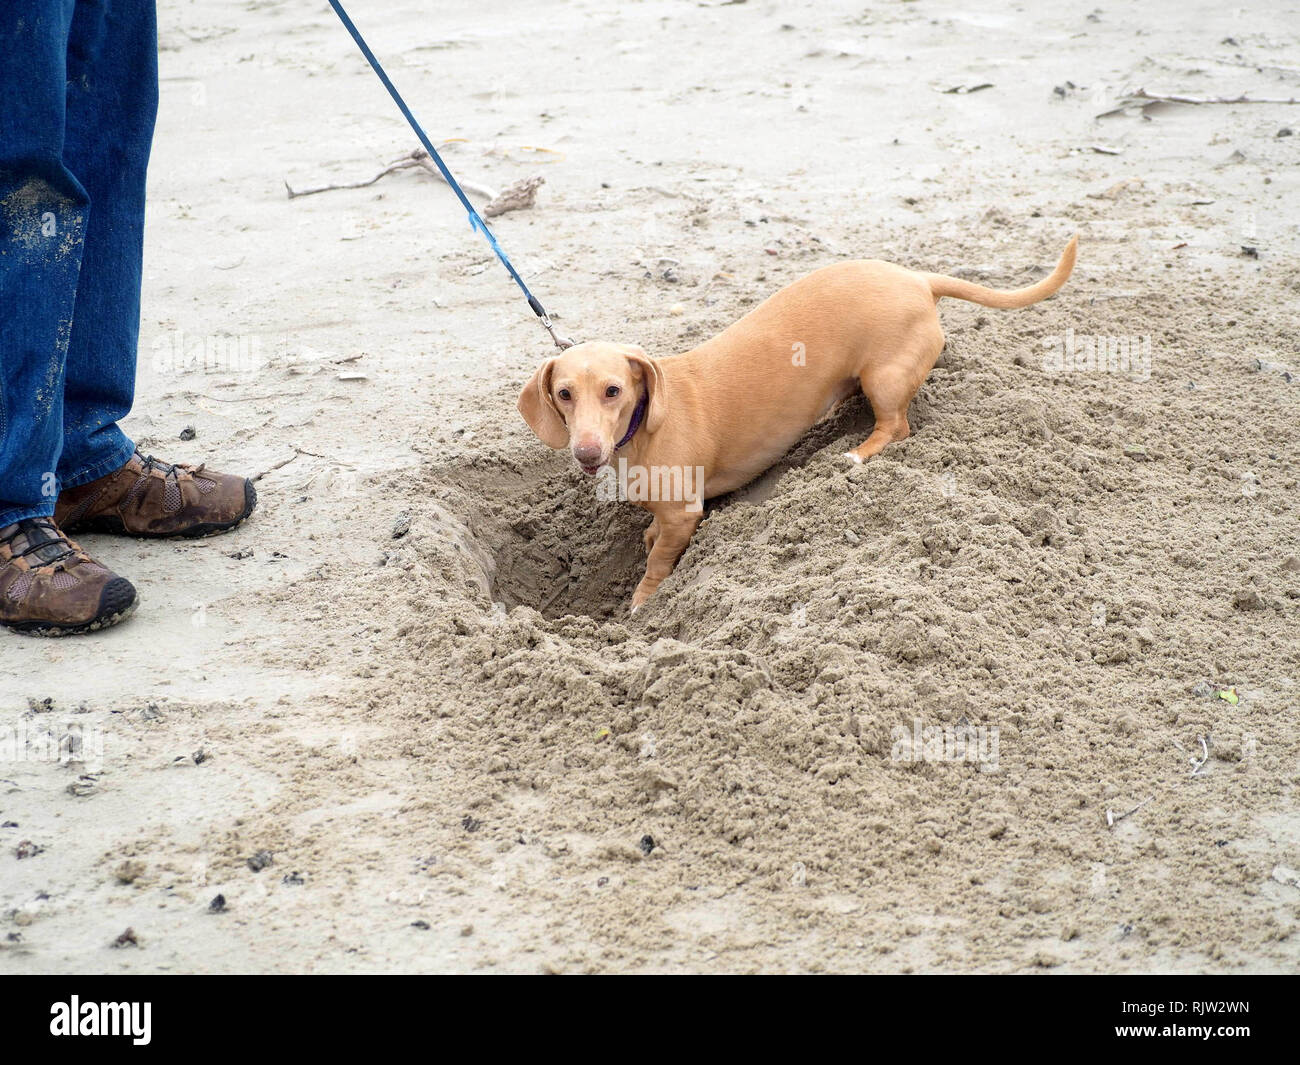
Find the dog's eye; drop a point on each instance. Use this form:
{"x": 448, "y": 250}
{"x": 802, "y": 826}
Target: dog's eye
{"x": 612, "y": 391}
{"x": 565, "y": 395}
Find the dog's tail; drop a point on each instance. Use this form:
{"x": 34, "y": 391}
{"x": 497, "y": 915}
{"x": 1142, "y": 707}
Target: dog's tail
{"x": 942, "y": 285}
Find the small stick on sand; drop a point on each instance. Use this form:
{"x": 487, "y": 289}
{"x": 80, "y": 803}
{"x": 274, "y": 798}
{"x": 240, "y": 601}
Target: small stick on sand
{"x": 277, "y": 466}
{"x": 1140, "y": 97}
{"x": 1177, "y": 98}
{"x": 418, "y": 158}
{"x": 297, "y": 451}
{"x": 1205, "y": 757}
{"x": 1112, "y": 818}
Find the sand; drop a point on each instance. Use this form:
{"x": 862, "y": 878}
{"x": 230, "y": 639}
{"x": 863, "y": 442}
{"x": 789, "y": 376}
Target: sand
{"x": 1018, "y": 695}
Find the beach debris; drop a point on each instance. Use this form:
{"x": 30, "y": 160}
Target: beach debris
{"x": 1142, "y": 100}
{"x": 188, "y": 433}
{"x": 27, "y": 849}
{"x": 1199, "y": 764}
{"x": 297, "y": 452}
{"x": 514, "y": 197}
{"x": 84, "y": 786}
{"x": 647, "y": 844}
{"x": 401, "y": 525}
{"x": 966, "y": 90}
{"x": 127, "y": 939}
{"x": 470, "y": 824}
{"x": 218, "y": 904}
{"x": 261, "y": 860}
{"x": 417, "y": 159}
{"x": 1230, "y": 696}
{"x": 1112, "y": 818}
{"x": 1280, "y": 368}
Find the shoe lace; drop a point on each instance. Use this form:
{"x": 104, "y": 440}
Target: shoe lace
{"x": 167, "y": 469}
{"x": 42, "y": 535}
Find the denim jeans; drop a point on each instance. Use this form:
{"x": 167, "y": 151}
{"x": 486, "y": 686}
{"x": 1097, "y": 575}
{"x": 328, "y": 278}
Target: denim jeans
{"x": 78, "y": 96}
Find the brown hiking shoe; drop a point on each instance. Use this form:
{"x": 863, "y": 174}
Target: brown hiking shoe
{"x": 148, "y": 497}
{"x": 50, "y": 587}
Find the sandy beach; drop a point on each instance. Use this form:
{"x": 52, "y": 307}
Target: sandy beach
{"x": 402, "y": 720}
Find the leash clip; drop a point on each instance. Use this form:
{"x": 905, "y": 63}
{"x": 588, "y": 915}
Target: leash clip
{"x": 560, "y": 342}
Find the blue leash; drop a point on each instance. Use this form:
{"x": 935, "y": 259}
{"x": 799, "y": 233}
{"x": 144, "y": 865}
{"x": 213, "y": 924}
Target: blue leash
{"x": 475, "y": 219}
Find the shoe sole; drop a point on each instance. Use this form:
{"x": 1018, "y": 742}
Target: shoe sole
{"x": 115, "y": 606}
{"x": 112, "y": 524}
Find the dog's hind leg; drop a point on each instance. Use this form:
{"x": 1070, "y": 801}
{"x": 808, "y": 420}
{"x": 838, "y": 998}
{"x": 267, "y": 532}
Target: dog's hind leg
{"x": 890, "y": 389}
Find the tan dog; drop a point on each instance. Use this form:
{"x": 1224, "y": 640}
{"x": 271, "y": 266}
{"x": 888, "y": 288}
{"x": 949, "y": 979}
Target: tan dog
{"x": 704, "y": 423}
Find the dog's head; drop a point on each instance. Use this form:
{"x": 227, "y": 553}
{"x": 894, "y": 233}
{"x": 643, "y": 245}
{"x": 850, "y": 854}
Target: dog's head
{"x": 586, "y": 398}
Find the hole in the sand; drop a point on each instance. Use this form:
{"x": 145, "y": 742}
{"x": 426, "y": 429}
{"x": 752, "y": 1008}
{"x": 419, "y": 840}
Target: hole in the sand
{"x": 556, "y": 547}
{"x": 559, "y": 549}
{"x": 575, "y": 566}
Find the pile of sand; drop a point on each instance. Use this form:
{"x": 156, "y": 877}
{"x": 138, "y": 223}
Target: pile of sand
{"x": 1071, "y": 565}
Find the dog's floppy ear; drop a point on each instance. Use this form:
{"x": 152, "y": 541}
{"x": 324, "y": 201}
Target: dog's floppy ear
{"x": 656, "y": 388}
{"x": 539, "y": 411}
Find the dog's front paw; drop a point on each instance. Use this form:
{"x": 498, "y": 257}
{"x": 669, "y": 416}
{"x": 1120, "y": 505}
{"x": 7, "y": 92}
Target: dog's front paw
{"x": 643, "y": 592}
{"x": 855, "y": 459}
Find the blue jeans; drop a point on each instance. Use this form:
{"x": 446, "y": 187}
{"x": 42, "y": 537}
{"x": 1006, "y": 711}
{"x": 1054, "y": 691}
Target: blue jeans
{"x": 78, "y": 96}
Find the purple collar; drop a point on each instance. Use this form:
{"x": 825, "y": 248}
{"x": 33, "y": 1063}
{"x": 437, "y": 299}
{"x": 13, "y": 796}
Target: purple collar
{"x": 638, "y": 413}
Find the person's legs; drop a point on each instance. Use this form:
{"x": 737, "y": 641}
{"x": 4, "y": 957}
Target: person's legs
{"x": 112, "y": 100}
{"x": 44, "y": 212}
